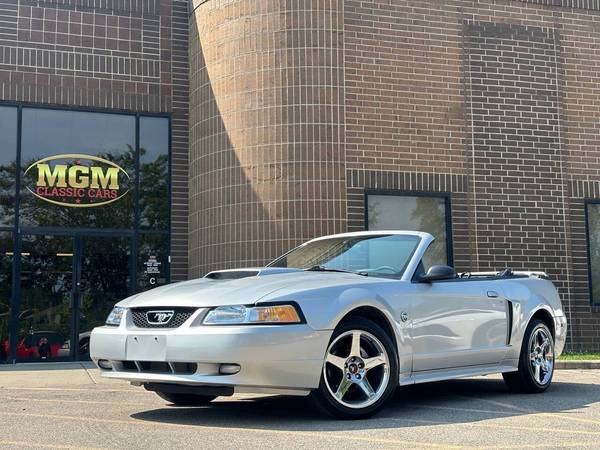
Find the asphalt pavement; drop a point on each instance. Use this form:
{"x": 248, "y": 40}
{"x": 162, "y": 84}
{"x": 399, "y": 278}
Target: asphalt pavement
{"x": 74, "y": 408}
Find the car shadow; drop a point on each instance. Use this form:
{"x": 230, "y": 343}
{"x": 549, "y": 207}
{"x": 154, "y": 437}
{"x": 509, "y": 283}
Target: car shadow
{"x": 441, "y": 403}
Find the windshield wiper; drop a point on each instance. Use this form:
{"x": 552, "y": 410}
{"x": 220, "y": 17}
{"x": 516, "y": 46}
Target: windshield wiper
{"x": 327, "y": 269}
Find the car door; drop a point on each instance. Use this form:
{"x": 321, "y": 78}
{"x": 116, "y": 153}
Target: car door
{"x": 457, "y": 323}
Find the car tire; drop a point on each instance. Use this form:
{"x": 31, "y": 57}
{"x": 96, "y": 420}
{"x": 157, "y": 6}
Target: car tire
{"x": 186, "y": 399}
{"x": 536, "y": 361}
{"x": 356, "y": 384}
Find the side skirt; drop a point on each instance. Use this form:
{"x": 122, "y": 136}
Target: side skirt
{"x": 458, "y": 372}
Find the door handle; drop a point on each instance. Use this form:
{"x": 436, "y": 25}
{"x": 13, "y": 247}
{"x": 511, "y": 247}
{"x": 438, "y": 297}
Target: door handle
{"x": 492, "y": 294}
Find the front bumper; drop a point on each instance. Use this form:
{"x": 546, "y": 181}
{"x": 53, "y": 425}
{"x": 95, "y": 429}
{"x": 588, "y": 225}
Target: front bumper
{"x": 271, "y": 357}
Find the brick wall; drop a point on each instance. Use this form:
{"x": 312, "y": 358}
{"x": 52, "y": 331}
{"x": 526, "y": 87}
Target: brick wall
{"x": 515, "y": 148}
{"x": 495, "y": 102}
{"x": 111, "y": 54}
{"x": 404, "y": 104}
{"x": 266, "y": 163}
{"x": 521, "y": 126}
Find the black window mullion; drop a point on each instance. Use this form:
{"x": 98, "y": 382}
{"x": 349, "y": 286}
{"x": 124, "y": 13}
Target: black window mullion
{"x": 15, "y": 306}
{"x": 135, "y": 240}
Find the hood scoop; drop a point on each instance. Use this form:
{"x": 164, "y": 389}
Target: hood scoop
{"x": 235, "y": 274}
{"x": 231, "y": 274}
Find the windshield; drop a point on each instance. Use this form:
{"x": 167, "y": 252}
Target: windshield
{"x": 377, "y": 255}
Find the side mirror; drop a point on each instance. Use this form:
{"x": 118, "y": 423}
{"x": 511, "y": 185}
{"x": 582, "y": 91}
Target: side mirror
{"x": 438, "y": 272}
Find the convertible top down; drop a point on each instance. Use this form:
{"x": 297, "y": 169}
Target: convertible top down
{"x": 344, "y": 318}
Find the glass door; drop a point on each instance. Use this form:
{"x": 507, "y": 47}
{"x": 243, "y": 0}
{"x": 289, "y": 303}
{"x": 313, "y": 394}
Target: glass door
{"x": 68, "y": 285}
{"x": 104, "y": 274}
{"x": 46, "y": 293}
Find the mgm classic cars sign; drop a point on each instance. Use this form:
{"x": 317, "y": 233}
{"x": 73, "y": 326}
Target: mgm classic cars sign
{"x": 77, "y": 181}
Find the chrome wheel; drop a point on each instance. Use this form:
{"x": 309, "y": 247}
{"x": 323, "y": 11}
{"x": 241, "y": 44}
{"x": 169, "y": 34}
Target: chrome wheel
{"x": 541, "y": 356}
{"x": 357, "y": 369}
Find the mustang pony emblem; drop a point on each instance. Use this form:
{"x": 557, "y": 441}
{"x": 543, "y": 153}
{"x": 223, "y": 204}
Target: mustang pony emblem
{"x": 159, "y": 317}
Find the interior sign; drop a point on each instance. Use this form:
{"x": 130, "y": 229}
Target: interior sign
{"x": 78, "y": 181}
{"x": 153, "y": 270}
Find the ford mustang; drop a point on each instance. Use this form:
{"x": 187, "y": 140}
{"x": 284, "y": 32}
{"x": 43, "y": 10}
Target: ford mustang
{"x": 344, "y": 318}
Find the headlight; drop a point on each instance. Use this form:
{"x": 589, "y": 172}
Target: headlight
{"x": 115, "y": 316}
{"x": 272, "y": 314}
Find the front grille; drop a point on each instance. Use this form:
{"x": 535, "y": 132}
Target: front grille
{"x": 178, "y": 368}
{"x": 178, "y": 317}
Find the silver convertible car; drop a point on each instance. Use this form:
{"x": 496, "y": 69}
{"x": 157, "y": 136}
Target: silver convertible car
{"x": 345, "y": 319}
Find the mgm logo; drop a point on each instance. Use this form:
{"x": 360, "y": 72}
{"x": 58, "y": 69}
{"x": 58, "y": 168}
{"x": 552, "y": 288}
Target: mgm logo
{"x": 77, "y": 181}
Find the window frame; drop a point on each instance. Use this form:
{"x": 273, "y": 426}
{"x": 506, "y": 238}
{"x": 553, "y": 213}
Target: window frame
{"x": 137, "y": 115}
{"x": 588, "y": 248}
{"x": 446, "y": 196}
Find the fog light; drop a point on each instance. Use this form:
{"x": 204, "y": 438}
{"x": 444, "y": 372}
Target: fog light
{"x": 105, "y": 364}
{"x": 229, "y": 369}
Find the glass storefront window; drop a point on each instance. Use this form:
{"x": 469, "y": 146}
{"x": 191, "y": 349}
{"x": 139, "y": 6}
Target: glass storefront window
{"x": 8, "y": 163}
{"x": 77, "y": 169}
{"x": 154, "y": 173}
{"x": 153, "y": 260}
{"x": 414, "y": 213}
{"x": 6, "y": 267}
{"x": 85, "y": 179}
{"x": 45, "y": 297}
{"x": 593, "y": 229}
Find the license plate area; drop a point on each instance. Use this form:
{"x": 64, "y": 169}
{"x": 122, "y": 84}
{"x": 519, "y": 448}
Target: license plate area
{"x": 146, "y": 348}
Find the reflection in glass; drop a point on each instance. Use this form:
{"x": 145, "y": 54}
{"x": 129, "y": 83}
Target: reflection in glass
{"x": 413, "y": 213}
{"x": 45, "y": 307}
{"x": 154, "y": 173}
{"x": 8, "y": 165}
{"x": 105, "y": 280}
{"x": 6, "y": 260}
{"x": 593, "y": 216}
{"x": 77, "y": 180}
{"x": 153, "y": 261}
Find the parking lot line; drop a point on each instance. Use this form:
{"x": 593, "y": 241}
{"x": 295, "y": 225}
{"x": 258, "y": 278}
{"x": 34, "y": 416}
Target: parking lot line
{"x": 569, "y": 444}
{"x": 510, "y": 414}
{"x": 563, "y": 416}
{"x": 86, "y": 389}
{"x": 448, "y": 408}
{"x": 46, "y": 445}
{"x": 320, "y": 435}
{"x": 496, "y": 426}
{"x": 533, "y": 411}
{"x": 86, "y": 402}
{"x": 452, "y": 408}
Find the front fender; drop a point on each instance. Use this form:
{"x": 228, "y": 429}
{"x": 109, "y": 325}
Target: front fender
{"x": 324, "y": 309}
{"x": 326, "y": 313}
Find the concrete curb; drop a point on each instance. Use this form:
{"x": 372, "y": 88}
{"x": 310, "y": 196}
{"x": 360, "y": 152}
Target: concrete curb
{"x": 577, "y": 364}
{"x": 76, "y": 365}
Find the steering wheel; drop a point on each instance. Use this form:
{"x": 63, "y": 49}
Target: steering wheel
{"x": 388, "y": 268}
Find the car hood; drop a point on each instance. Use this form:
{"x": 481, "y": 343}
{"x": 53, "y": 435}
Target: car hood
{"x": 204, "y": 292}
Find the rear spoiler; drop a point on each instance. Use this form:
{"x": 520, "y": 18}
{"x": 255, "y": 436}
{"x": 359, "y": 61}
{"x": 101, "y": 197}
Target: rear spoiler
{"x": 512, "y": 273}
